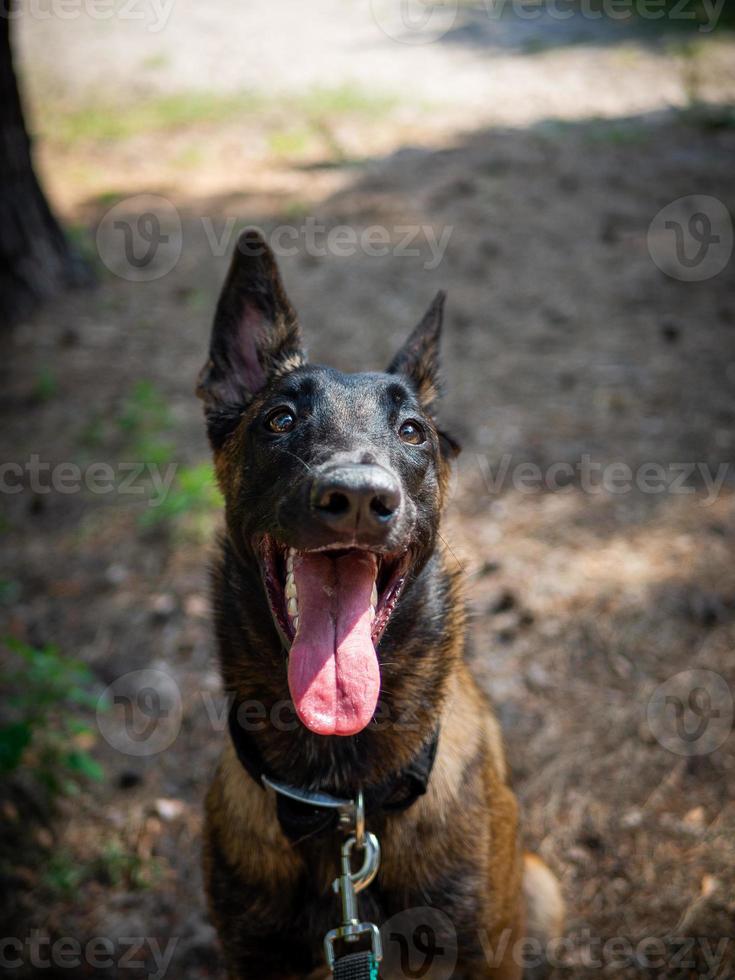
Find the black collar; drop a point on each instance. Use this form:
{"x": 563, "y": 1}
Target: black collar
{"x": 299, "y": 820}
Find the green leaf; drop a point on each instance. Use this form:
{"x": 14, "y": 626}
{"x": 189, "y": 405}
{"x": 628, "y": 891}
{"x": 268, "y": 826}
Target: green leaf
{"x": 14, "y": 739}
{"x": 83, "y": 763}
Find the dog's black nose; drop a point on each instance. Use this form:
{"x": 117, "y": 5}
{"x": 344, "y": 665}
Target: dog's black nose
{"x": 356, "y": 497}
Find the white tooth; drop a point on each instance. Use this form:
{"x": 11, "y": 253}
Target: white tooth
{"x": 374, "y": 596}
{"x": 296, "y": 624}
{"x": 292, "y": 607}
{"x": 372, "y": 615}
{"x": 290, "y": 586}
{"x": 289, "y": 561}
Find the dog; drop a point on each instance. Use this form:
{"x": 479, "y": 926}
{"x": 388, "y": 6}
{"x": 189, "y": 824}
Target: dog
{"x": 341, "y": 632}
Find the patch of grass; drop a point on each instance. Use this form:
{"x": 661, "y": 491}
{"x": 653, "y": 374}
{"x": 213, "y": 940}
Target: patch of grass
{"x": 108, "y": 198}
{"x": 605, "y": 131}
{"x": 345, "y": 100}
{"x": 156, "y": 61}
{"x": 194, "y": 494}
{"x": 83, "y": 241}
{"x": 295, "y": 210}
{"x": 119, "y": 867}
{"x": 111, "y": 121}
{"x": 103, "y": 122}
{"x": 290, "y": 142}
{"x": 9, "y": 591}
{"x": 189, "y": 157}
{"x": 114, "y": 866}
{"x": 46, "y": 385}
{"x": 200, "y": 300}
{"x": 63, "y": 873}
{"x": 43, "y": 726}
{"x": 92, "y": 435}
{"x": 143, "y": 420}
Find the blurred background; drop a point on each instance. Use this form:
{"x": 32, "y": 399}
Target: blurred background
{"x": 566, "y": 170}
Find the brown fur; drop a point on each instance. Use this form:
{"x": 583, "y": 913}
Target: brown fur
{"x": 468, "y": 820}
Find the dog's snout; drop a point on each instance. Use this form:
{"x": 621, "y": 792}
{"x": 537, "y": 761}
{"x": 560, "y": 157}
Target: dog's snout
{"x": 356, "y": 498}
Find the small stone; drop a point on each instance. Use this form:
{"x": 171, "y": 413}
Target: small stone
{"x": 631, "y": 819}
{"x": 163, "y": 605}
{"x": 696, "y": 817}
{"x": 196, "y": 605}
{"x": 709, "y": 885}
{"x": 169, "y": 810}
{"x": 116, "y": 573}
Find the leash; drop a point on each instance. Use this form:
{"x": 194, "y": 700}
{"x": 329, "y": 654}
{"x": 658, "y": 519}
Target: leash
{"x": 361, "y": 965}
{"x": 356, "y": 966}
{"x": 303, "y": 813}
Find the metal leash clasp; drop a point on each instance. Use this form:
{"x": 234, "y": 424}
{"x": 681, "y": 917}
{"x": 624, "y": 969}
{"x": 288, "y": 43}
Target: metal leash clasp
{"x": 350, "y": 883}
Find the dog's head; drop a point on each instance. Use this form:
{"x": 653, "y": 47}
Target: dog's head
{"x": 333, "y": 484}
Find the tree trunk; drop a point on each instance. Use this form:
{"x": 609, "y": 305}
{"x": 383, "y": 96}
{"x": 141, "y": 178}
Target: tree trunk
{"x": 36, "y": 260}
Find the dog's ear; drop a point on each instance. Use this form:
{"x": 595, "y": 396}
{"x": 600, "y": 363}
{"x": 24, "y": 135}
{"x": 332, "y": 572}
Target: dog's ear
{"x": 418, "y": 359}
{"x": 255, "y": 336}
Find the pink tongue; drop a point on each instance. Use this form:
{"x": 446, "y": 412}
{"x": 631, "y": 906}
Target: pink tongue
{"x": 333, "y": 669}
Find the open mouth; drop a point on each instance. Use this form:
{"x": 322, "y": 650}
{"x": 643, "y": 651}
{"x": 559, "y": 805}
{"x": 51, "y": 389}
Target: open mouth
{"x": 331, "y": 607}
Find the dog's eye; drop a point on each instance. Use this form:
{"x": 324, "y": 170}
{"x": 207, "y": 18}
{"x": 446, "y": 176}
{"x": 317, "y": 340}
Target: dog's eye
{"x": 280, "y": 420}
{"x": 412, "y": 432}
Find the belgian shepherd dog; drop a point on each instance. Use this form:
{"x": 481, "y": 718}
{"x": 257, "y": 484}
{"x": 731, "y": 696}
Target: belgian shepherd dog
{"x": 341, "y": 633}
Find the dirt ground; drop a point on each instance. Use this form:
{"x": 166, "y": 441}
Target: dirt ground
{"x": 565, "y": 343}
